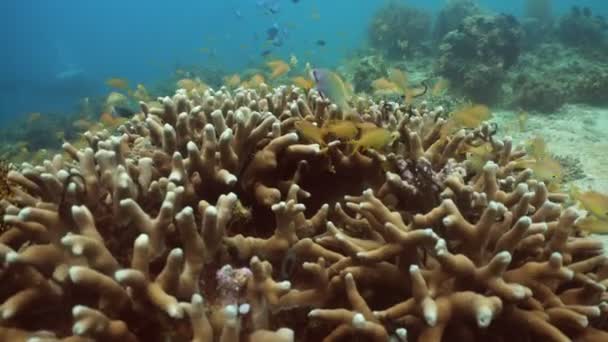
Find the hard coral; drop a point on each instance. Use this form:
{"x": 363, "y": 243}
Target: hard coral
{"x": 476, "y": 56}
{"x": 138, "y": 238}
{"x": 580, "y": 28}
{"x": 451, "y": 16}
{"x": 399, "y": 30}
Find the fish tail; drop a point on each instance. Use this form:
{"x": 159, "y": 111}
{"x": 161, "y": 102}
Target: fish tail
{"x": 356, "y": 148}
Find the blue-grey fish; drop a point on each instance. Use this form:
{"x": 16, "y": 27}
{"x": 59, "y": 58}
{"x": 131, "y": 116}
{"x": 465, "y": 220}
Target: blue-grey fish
{"x": 122, "y": 112}
{"x": 331, "y": 86}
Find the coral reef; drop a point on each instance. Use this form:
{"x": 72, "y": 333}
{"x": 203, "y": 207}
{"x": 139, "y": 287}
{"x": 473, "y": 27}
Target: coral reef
{"x": 580, "y": 28}
{"x": 399, "y": 30}
{"x": 476, "y": 56}
{"x": 451, "y": 16}
{"x": 537, "y": 22}
{"x": 552, "y": 75}
{"x": 210, "y": 218}
{"x": 539, "y": 94}
{"x": 5, "y": 189}
{"x": 362, "y": 70}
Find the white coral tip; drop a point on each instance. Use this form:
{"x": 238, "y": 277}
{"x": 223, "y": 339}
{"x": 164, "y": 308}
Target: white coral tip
{"x": 244, "y": 308}
{"x": 484, "y": 317}
{"x": 142, "y": 240}
{"x": 358, "y": 320}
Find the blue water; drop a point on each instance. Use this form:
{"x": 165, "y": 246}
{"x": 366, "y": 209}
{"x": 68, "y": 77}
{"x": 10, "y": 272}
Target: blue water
{"x": 56, "y": 52}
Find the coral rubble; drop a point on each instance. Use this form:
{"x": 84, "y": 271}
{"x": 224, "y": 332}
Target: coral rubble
{"x": 213, "y": 218}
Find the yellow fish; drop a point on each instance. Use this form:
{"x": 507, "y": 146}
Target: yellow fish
{"x": 376, "y": 139}
{"x": 187, "y": 83}
{"x": 594, "y": 202}
{"x": 479, "y": 156}
{"x": 33, "y": 117}
{"x": 470, "y": 116}
{"x": 365, "y": 126}
{"x": 302, "y": 82}
{"x": 278, "y": 68}
{"x": 522, "y": 119}
{"x": 384, "y": 87}
{"x": 310, "y": 131}
{"x": 593, "y": 225}
{"x": 546, "y": 169}
{"x": 118, "y": 83}
{"x": 232, "y": 81}
{"x": 440, "y": 87}
{"x": 341, "y": 129}
{"x": 254, "y": 82}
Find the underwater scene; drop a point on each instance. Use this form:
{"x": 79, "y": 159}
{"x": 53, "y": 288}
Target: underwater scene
{"x": 304, "y": 170}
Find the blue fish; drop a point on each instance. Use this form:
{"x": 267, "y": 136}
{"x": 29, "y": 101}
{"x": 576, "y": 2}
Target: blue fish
{"x": 272, "y": 32}
{"x": 269, "y": 6}
{"x": 331, "y": 86}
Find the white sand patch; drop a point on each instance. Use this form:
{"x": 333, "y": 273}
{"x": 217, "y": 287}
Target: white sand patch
{"x": 574, "y": 131}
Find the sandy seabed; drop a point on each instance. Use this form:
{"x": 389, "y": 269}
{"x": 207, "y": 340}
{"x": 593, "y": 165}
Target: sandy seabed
{"x": 578, "y": 131}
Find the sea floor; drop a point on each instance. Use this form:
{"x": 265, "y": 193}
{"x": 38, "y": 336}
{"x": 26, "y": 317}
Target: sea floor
{"x": 577, "y": 131}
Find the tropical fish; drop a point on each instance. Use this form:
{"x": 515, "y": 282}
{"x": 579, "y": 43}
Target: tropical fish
{"x": 302, "y": 82}
{"x": 594, "y": 202}
{"x": 266, "y": 53}
{"x": 440, "y": 86}
{"x": 110, "y": 121}
{"x": 141, "y": 93}
{"x": 115, "y": 98}
{"x": 272, "y": 32}
{"x": 254, "y": 82}
{"x": 187, "y": 83}
{"x": 547, "y": 169}
{"x": 293, "y": 60}
{"x": 269, "y": 6}
{"x": 478, "y": 156}
{"x": 384, "y": 87}
{"x": 310, "y": 131}
{"x": 330, "y": 85}
{"x": 593, "y": 225}
{"x": 82, "y": 124}
{"x": 397, "y": 83}
{"x": 365, "y": 126}
{"x": 118, "y": 83}
{"x": 123, "y": 112}
{"x": 522, "y": 119}
{"x": 321, "y": 42}
{"x": 341, "y": 129}
{"x": 375, "y": 139}
{"x": 470, "y": 116}
{"x": 33, "y": 117}
{"x": 278, "y": 68}
{"x": 537, "y": 147}
{"x": 232, "y": 81}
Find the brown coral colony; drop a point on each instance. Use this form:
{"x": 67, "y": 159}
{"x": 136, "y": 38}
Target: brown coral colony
{"x": 213, "y": 219}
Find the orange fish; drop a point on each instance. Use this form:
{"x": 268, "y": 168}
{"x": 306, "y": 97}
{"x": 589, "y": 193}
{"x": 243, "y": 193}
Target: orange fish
{"x": 232, "y": 81}
{"x": 118, "y": 83}
{"x": 304, "y": 83}
{"x": 278, "y": 68}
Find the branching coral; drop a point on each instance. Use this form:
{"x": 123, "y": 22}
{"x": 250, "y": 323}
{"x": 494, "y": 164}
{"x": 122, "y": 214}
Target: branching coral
{"x": 212, "y": 218}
